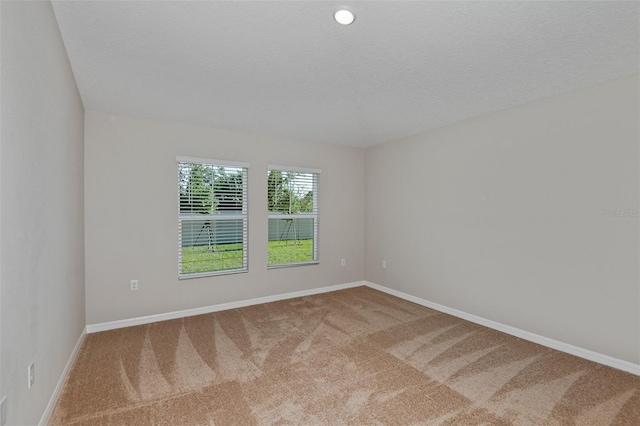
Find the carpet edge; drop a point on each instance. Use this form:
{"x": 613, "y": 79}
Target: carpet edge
{"x": 53, "y": 400}
{"x": 112, "y": 325}
{"x": 590, "y": 355}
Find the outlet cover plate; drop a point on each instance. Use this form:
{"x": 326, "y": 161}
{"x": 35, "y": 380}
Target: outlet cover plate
{"x": 3, "y": 411}
{"x": 32, "y": 374}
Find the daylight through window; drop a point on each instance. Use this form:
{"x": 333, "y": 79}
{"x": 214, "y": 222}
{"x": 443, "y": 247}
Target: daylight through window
{"x": 212, "y": 217}
{"x": 292, "y": 196}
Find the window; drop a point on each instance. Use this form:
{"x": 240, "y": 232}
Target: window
{"x": 212, "y": 217}
{"x": 292, "y": 196}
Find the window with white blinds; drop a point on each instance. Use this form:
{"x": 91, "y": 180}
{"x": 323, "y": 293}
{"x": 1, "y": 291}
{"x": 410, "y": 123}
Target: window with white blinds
{"x": 212, "y": 217}
{"x": 292, "y": 196}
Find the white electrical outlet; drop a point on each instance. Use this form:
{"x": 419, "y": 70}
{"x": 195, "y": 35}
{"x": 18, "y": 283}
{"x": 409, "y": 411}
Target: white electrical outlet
{"x": 134, "y": 285}
{"x": 32, "y": 373}
{"x": 3, "y": 411}
{"x": 384, "y": 264}
{"x": 343, "y": 261}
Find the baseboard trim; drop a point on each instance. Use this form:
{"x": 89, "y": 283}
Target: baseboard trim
{"x": 532, "y": 337}
{"x": 112, "y": 325}
{"x": 46, "y": 416}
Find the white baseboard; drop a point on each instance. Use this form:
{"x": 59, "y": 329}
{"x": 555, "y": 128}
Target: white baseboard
{"x": 112, "y": 325}
{"x": 46, "y": 416}
{"x": 532, "y": 337}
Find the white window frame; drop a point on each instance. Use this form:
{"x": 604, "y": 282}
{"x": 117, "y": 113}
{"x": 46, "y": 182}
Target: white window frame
{"x": 313, "y": 215}
{"x": 244, "y": 215}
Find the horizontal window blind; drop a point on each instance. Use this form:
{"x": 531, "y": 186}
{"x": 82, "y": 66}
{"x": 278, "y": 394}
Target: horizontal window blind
{"x": 292, "y": 197}
{"x": 212, "y": 218}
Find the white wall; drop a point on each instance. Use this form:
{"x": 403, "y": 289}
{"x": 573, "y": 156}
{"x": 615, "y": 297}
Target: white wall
{"x": 504, "y": 217}
{"x": 42, "y": 264}
{"x": 131, "y": 208}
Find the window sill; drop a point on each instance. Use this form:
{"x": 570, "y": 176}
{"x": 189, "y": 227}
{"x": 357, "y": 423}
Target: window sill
{"x": 292, "y": 265}
{"x": 211, "y": 274}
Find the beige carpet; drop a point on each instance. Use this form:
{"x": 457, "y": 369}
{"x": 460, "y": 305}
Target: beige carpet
{"x": 355, "y": 356}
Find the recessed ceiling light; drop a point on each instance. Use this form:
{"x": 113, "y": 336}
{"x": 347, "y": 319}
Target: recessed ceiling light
{"x": 344, "y": 17}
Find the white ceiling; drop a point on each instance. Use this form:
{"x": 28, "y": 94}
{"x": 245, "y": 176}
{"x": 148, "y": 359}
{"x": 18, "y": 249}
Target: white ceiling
{"x": 286, "y": 68}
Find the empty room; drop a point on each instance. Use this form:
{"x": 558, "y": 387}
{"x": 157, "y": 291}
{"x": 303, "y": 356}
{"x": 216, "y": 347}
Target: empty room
{"x": 319, "y": 212}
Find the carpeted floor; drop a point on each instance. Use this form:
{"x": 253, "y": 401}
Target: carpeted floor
{"x": 354, "y": 356}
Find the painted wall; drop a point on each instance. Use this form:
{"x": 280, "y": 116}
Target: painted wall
{"x": 527, "y": 217}
{"x": 41, "y": 174}
{"x": 131, "y": 221}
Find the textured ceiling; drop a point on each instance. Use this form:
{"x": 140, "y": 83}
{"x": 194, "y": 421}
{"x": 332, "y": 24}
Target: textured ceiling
{"x": 286, "y": 68}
